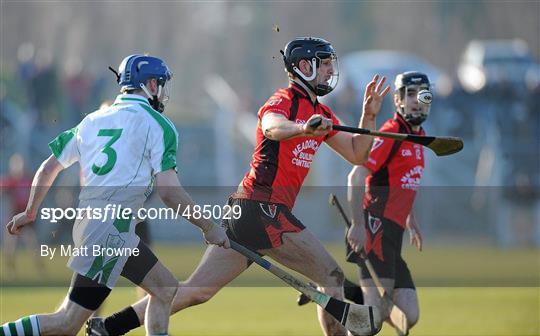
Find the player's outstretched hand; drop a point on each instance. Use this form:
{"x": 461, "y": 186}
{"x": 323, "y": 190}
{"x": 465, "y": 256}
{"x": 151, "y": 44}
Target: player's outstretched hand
{"x": 374, "y": 96}
{"x": 217, "y": 236}
{"x": 18, "y": 221}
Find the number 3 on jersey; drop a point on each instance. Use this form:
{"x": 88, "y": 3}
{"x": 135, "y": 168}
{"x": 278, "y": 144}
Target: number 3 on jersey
{"x": 107, "y": 150}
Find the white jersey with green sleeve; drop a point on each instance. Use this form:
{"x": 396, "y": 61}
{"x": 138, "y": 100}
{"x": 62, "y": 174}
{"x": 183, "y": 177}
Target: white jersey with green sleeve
{"x": 120, "y": 149}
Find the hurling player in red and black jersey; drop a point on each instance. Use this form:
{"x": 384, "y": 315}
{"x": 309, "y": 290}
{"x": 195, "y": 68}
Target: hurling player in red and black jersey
{"x": 286, "y": 144}
{"x": 391, "y": 177}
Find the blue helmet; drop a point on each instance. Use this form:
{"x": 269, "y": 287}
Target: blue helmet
{"x": 137, "y": 69}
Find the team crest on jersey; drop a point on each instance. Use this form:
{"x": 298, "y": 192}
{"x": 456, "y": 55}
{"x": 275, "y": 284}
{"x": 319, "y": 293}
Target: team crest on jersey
{"x": 269, "y": 210}
{"x": 374, "y": 223}
{"x": 115, "y": 241}
{"x": 377, "y": 142}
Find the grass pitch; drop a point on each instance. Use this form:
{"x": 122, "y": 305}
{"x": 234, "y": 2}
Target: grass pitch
{"x": 465, "y": 291}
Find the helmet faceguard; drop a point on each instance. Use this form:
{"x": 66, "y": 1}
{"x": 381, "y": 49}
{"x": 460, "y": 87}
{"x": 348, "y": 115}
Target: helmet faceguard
{"x": 315, "y": 51}
{"x": 163, "y": 92}
{"x": 408, "y": 84}
{"x": 134, "y": 73}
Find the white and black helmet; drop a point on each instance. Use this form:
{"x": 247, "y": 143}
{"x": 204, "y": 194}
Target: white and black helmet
{"x": 408, "y": 80}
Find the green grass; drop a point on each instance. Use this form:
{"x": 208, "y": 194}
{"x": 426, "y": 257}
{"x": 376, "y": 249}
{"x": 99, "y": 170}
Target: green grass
{"x": 272, "y": 311}
{"x": 499, "y": 295}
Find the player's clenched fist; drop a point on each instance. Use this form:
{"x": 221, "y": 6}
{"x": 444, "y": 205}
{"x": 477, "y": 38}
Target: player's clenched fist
{"x": 15, "y": 226}
{"x": 216, "y": 235}
{"x": 317, "y": 125}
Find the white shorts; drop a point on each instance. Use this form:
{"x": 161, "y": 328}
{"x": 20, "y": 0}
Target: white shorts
{"x": 101, "y": 248}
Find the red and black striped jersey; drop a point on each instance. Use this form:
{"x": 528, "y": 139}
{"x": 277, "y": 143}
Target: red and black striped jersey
{"x": 278, "y": 168}
{"x": 396, "y": 170}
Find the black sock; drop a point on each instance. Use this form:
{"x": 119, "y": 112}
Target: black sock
{"x": 121, "y": 322}
{"x": 353, "y": 292}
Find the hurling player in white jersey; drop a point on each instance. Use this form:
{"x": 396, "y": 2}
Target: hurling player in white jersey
{"x": 122, "y": 149}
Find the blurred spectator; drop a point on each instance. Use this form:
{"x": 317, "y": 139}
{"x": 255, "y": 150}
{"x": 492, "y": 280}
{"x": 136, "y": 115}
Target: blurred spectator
{"x": 16, "y": 186}
{"x": 9, "y": 110}
{"x": 43, "y": 88}
{"x": 16, "y": 126}
{"x": 25, "y": 57}
{"x": 78, "y": 85}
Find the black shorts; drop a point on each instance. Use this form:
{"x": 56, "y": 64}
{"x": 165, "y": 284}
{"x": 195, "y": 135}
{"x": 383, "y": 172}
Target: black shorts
{"x": 384, "y": 239}
{"x": 261, "y": 224}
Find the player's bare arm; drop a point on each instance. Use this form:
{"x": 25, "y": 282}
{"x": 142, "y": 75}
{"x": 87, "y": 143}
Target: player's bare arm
{"x": 43, "y": 179}
{"x": 276, "y": 127}
{"x": 174, "y": 195}
{"x": 355, "y": 193}
{"x": 354, "y": 147}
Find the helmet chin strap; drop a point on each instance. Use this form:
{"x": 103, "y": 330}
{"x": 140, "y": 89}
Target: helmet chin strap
{"x": 313, "y": 75}
{"x": 411, "y": 119}
{"x": 153, "y": 99}
{"x": 320, "y": 89}
{"x": 306, "y": 79}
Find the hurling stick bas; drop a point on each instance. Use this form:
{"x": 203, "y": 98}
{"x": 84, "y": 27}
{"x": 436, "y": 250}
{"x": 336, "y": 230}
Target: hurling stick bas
{"x": 358, "y": 319}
